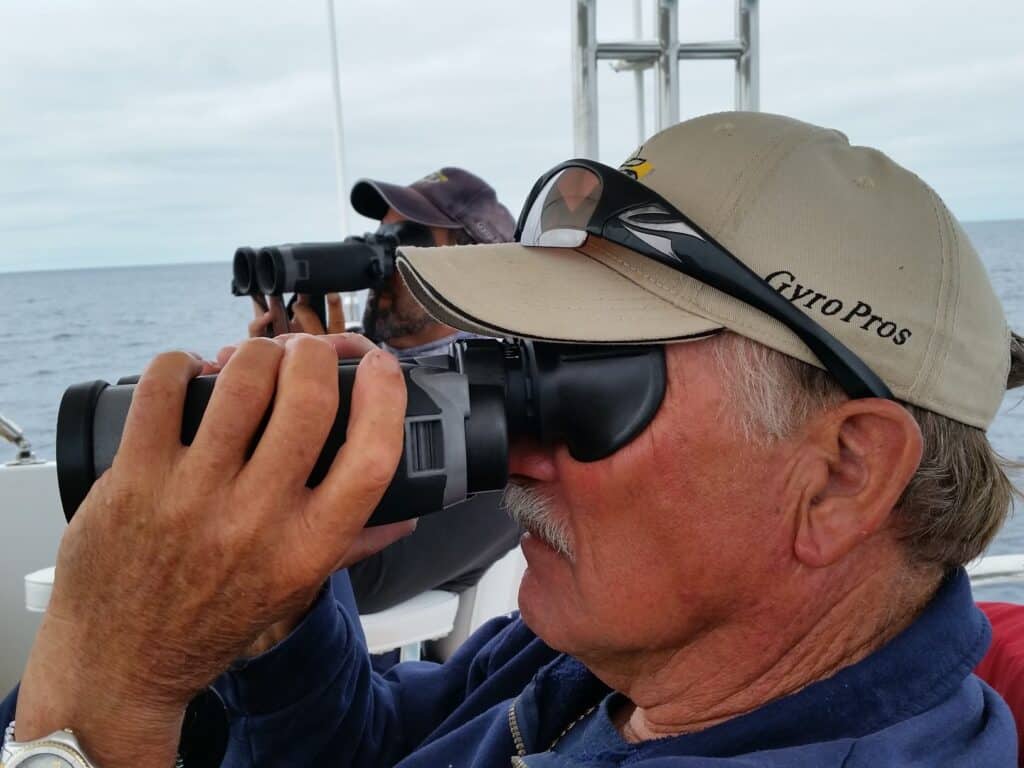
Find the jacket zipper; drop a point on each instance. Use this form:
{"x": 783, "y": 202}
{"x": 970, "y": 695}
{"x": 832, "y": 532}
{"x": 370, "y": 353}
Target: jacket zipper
{"x": 517, "y": 737}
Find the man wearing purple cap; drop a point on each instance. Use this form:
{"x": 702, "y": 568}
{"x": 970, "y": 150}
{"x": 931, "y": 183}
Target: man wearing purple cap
{"x": 453, "y": 551}
{"x": 459, "y": 208}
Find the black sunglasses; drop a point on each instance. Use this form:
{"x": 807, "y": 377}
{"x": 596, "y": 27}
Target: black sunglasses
{"x": 582, "y": 197}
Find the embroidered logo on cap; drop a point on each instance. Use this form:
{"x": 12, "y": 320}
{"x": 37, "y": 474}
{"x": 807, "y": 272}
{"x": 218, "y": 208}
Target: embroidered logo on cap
{"x": 636, "y": 167}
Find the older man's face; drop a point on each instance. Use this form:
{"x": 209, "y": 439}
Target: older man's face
{"x": 664, "y": 539}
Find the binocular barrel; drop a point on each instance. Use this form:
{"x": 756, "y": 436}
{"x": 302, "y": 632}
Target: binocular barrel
{"x": 435, "y": 471}
{"x": 320, "y": 267}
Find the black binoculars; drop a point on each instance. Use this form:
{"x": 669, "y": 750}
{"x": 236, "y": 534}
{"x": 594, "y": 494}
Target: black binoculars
{"x": 353, "y": 264}
{"x": 464, "y": 408}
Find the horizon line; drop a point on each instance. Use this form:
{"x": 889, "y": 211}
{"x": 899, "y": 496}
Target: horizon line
{"x": 21, "y": 271}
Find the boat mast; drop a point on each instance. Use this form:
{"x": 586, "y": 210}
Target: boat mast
{"x": 351, "y": 302}
{"x": 339, "y": 128}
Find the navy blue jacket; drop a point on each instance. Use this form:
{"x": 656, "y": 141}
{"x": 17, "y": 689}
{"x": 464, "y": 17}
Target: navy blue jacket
{"x": 314, "y": 701}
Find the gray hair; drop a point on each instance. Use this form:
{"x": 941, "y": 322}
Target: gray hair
{"x": 961, "y": 493}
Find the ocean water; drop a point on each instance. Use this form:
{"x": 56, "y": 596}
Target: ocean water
{"x": 60, "y": 328}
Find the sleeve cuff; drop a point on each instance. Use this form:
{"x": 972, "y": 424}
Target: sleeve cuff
{"x": 308, "y": 659}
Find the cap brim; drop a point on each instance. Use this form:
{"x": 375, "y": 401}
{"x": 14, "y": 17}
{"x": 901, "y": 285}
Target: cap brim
{"x": 550, "y": 294}
{"x": 373, "y": 198}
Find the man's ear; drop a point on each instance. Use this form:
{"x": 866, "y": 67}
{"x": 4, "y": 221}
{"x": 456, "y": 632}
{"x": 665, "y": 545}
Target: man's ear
{"x": 853, "y": 465}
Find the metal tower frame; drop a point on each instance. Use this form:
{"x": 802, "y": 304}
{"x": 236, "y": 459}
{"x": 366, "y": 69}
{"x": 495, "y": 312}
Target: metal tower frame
{"x": 664, "y": 55}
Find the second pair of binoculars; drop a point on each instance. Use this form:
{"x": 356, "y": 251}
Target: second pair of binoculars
{"x": 353, "y": 264}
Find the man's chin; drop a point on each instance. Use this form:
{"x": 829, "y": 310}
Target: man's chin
{"x": 547, "y": 570}
{"x": 540, "y": 610}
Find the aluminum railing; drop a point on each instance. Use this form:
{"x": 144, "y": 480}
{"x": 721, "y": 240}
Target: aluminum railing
{"x": 12, "y": 433}
{"x": 663, "y": 55}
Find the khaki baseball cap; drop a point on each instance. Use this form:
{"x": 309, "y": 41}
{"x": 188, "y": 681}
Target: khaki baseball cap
{"x": 857, "y": 242}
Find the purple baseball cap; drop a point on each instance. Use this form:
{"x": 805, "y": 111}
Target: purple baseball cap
{"x": 452, "y": 198}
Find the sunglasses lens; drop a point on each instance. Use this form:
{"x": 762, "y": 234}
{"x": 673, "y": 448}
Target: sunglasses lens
{"x": 559, "y": 215}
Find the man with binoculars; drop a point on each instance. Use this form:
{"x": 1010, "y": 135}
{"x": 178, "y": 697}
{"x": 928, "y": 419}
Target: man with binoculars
{"x": 448, "y": 207}
{"x": 750, "y": 555}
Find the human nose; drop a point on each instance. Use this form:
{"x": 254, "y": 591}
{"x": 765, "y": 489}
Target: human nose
{"x": 531, "y": 459}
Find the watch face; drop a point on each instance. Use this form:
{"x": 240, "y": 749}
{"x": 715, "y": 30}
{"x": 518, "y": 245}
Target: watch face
{"x": 46, "y": 761}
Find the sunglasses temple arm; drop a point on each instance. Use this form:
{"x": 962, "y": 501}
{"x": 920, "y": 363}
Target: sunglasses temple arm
{"x": 738, "y": 281}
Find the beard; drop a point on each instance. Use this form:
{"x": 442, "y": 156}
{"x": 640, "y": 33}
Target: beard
{"x": 533, "y": 511}
{"x": 400, "y": 317}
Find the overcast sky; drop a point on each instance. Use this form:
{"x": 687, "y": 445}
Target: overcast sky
{"x": 145, "y": 133}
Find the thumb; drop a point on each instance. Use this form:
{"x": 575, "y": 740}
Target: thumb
{"x": 372, "y": 540}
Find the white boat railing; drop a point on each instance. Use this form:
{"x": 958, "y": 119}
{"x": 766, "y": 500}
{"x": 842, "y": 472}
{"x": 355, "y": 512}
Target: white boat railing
{"x": 12, "y": 433}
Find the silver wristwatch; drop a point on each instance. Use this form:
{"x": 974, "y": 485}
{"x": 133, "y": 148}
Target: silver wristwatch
{"x": 58, "y": 750}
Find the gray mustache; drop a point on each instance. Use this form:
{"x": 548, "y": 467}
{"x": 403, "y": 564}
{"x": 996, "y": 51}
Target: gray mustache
{"x": 532, "y": 510}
